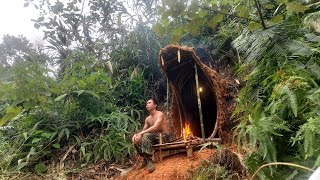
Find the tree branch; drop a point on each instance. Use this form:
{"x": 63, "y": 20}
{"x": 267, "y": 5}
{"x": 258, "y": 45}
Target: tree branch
{"x": 260, "y": 14}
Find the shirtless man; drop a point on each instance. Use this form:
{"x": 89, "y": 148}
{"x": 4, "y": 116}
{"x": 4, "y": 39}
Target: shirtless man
{"x": 154, "y": 124}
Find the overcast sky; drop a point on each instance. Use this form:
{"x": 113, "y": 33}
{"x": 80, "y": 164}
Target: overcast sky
{"x": 16, "y": 20}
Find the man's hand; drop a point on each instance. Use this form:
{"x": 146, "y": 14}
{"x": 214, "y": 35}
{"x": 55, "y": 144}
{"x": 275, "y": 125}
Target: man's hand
{"x": 136, "y": 138}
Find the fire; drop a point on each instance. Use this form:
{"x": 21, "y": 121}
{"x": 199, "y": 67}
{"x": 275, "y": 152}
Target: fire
{"x": 187, "y": 132}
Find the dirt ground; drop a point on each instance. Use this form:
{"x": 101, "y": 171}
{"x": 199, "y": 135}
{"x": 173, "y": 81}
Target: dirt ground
{"x": 173, "y": 167}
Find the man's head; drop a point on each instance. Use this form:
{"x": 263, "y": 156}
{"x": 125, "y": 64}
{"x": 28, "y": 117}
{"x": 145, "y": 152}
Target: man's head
{"x": 151, "y": 104}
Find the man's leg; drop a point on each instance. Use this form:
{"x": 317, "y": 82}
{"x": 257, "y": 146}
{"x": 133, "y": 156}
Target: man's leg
{"x": 138, "y": 148}
{"x": 147, "y": 140}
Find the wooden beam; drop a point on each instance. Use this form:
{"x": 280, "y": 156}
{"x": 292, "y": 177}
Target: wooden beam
{"x": 199, "y": 102}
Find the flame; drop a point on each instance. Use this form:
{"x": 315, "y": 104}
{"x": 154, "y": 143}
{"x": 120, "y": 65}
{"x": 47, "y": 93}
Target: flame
{"x": 186, "y": 131}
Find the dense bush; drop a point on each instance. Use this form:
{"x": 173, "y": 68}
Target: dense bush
{"x": 45, "y": 116}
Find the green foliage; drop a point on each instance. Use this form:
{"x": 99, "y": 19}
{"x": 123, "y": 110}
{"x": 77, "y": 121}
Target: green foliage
{"x": 278, "y": 61}
{"x": 278, "y": 117}
{"x": 80, "y": 108}
{"x": 40, "y": 168}
{"x": 223, "y": 164}
{"x": 207, "y": 170}
{"x": 91, "y": 97}
{"x": 195, "y": 16}
{"x": 86, "y": 92}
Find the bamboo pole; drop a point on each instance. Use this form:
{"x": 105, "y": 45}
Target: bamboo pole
{"x": 167, "y": 113}
{"x": 199, "y": 102}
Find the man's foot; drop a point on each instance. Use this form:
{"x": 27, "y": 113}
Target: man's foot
{"x": 150, "y": 167}
{"x": 144, "y": 164}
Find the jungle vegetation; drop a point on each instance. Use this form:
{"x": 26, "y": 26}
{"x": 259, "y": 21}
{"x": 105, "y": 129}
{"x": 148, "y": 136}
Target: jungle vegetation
{"x": 85, "y": 87}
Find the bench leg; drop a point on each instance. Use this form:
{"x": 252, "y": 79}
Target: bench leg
{"x": 189, "y": 151}
{"x": 160, "y": 142}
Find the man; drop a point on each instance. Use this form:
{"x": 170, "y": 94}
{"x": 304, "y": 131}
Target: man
{"x": 154, "y": 124}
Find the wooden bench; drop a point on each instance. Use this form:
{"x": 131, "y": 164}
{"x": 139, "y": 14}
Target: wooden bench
{"x": 177, "y": 146}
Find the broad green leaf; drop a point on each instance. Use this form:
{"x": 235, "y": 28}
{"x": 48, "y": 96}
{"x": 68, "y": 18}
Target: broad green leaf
{"x": 79, "y": 92}
{"x": 46, "y": 135}
{"x": 47, "y": 93}
{"x": 81, "y": 83}
{"x": 215, "y": 20}
{"x": 40, "y": 168}
{"x": 83, "y": 150}
{"x": 60, "y": 97}
{"x": 11, "y": 112}
{"x": 212, "y": 23}
{"x": 35, "y": 140}
{"x": 297, "y": 48}
{"x": 21, "y": 165}
{"x": 242, "y": 11}
{"x": 281, "y": 1}
{"x": 254, "y": 25}
{"x": 56, "y": 145}
{"x": 202, "y": 13}
{"x": 93, "y": 94}
{"x": 312, "y": 37}
{"x": 25, "y": 135}
{"x": 67, "y": 132}
{"x": 277, "y": 19}
{"x": 218, "y": 17}
{"x": 295, "y": 7}
{"x": 224, "y": 11}
{"x": 53, "y": 135}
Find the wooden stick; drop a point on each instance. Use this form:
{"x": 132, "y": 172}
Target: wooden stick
{"x": 197, "y": 141}
{"x": 173, "y": 143}
{"x": 199, "y": 102}
{"x": 160, "y": 148}
{"x": 173, "y": 146}
{"x": 167, "y": 113}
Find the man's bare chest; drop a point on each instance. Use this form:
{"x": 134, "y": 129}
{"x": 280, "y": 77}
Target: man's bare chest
{"x": 152, "y": 121}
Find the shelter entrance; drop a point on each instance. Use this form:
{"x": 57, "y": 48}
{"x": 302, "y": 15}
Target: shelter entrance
{"x": 181, "y": 76}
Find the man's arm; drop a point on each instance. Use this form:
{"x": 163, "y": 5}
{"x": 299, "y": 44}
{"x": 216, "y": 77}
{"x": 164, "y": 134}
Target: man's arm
{"x": 156, "y": 127}
{"x": 145, "y": 125}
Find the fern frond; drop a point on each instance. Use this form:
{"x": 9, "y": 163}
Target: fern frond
{"x": 278, "y": 51}
{"x": 299, "y": 48}
{"x": 311, "y": 18}
{"x": 309, "y": 132}
{"x": 315, "y": 70}
{"x": 254, "y": 45}
{"x": 292, "y": 99}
